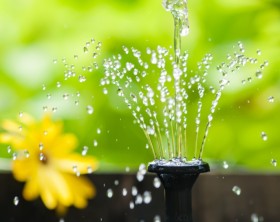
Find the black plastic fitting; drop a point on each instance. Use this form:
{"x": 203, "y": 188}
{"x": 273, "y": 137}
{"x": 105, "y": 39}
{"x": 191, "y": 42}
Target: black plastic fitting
{"x": 178, "y": 181}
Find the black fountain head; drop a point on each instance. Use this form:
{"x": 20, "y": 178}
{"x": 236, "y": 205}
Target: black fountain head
{"x": 178, "y": 177}
{"x": 178, "y": 166}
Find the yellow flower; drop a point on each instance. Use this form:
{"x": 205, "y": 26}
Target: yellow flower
{"x": 46, "y": 162}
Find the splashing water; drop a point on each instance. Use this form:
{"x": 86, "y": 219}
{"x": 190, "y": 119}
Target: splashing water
{"x": 236, "y": 190}
{"x": 164, "y": 109}
{"x": 16, "y": 200}
{"x": 77, "y": 71}
{"x": 175, "y": 93}
{"x": 179, "y": 11}
{"x": 110, "y": 193}
{"x": 256, "y": 218}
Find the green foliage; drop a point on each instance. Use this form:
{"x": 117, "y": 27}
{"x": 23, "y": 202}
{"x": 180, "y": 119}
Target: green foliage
{"x": 36, "y": 32}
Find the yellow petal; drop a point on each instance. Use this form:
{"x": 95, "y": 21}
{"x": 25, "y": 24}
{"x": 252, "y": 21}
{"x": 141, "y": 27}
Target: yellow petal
{"x": 63, "y": 144}
{"x": 46, "y": 191}
{"x": 81, "y": 163}
{"x": 11, "y": 126}
{"x": 60, "y": 187}
{"x": 51, "y": 129}
{"x": 27, "y": 119}
{"x": 82, "y": 189}
{"x": 6, "y": 137}
{"x": 24, "y": 169}
{"x": 31, "y": 189}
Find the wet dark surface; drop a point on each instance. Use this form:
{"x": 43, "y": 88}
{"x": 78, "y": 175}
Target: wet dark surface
{"x": 213, "y": 200}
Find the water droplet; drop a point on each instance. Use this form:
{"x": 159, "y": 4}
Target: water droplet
{"x": 210, "y": 118}
{"x": 85, "y": 49}
{"x": 95, "y": 143}
{"x": 82, "y": 78}
{"x": 16, "y": 200}
{"x": 75, "y": 168}
{"x": 89, "y": 170}
{"x": 44, "y": 87}
{"x": 41, "y": 146}
{"x": 26, "y": 153}
{"x": 9, "y": 149}
{"x": 94, "y": 55}
{"x": 156, "y": 182}
{"x": 249, "y": 79}
{"x": 110, "y": 193}
{"x": 124, "y": 192}
{"x": 58, "y": 84}
{"x": 78, "y": 173}
{"x": 90, "y": 69}
{"x": 134, "y": 98}
{"x": 225, "y": 165}
{"x": 76, "y": 57}
{"x": 134, "y": 191}
{"x": 45, "y": 108}
{"x": 138, "y": 199}
{"x": 42, "y": 157}
{"x": 147, "y": 146}
{"x": 54, "y": 109}
{"x": 236, "y": 190}
{"x": 150, "y": 130}
{"x": 89, "y": 109}
{"x": 129, "y": 66}
{"x": 125, "y": 49}
{"x": 98, "y": 131}
{"x": 256, "y": 218}
{"x": 116, "y": 182}
{"x": 127, "y": 169}
{"x": 105, "y": 91}
{"x": 140, "y": 176}
{"x": 259, "y": 74}
{"x": 20, "y": 114}
{"x": 271, "y": 99}
{"x": 65, "y": 96}
{"x": 264, "y": 136}
{"x": 49, "y": 96}
{"x": 15, "y": 156}
{"x": 85, "y": 150}
{"x": 274, "y": 162}
{"x": 54, "y": 61}
{"x": 259, "y": 52}
{"x": 120, "y": 92}
{"x": 131, "y": 205}
{"x": 147, "y": 197}
{"x": 157, "y": 219}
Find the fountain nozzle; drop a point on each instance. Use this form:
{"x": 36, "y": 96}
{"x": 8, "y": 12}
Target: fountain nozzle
{"x": 178, "y": 179}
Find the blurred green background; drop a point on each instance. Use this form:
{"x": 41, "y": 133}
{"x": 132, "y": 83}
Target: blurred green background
{"x": 36, "y": 33}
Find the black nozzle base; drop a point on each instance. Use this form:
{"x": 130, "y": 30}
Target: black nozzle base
{"x": 178, "y": 179}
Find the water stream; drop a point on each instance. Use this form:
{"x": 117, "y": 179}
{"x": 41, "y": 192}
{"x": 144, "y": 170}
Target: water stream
{"x": 179, "y": 11}
{"x": 160, "y": 90}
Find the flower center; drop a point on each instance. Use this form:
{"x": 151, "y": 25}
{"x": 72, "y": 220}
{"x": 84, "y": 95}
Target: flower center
{"x": 43, "y": 158}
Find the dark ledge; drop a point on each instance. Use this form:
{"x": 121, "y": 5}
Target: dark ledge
{"x": 213, "y": 200}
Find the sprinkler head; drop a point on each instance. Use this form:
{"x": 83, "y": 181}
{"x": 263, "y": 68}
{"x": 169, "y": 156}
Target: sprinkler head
{"x": 178, "y": 178}
{"x": 178, "y": 166}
